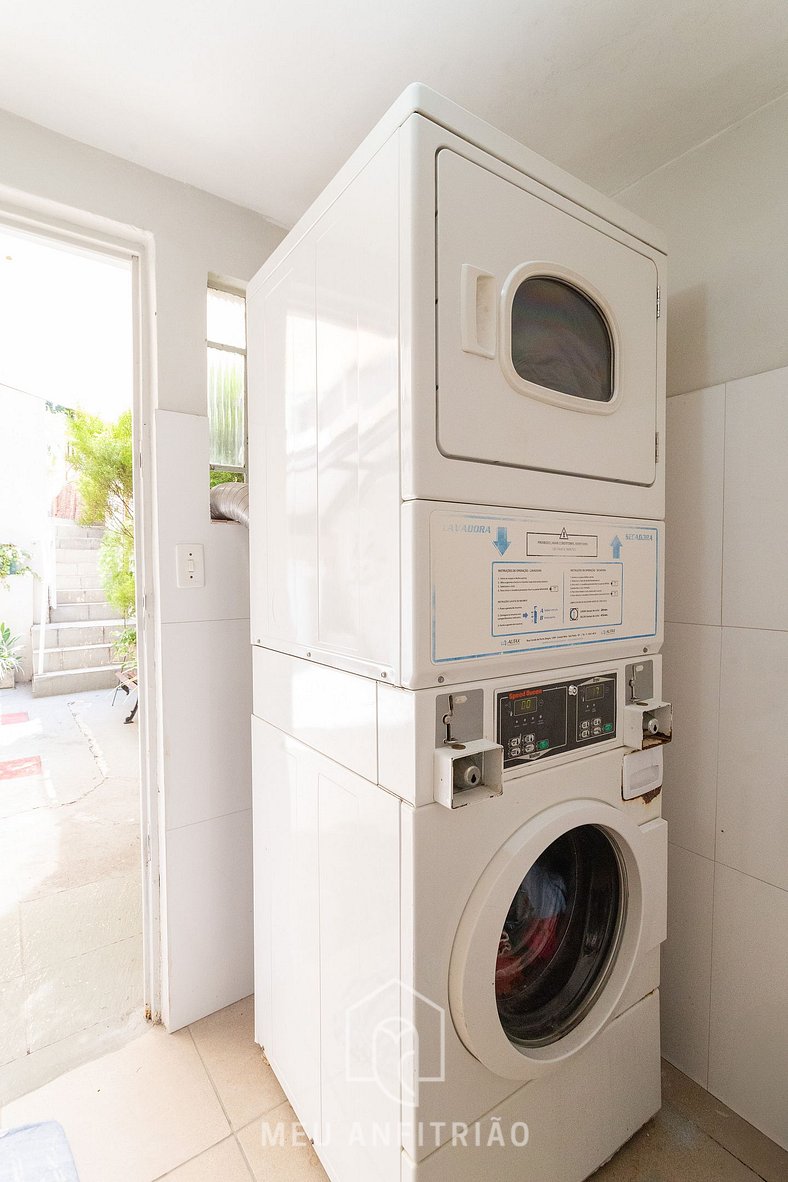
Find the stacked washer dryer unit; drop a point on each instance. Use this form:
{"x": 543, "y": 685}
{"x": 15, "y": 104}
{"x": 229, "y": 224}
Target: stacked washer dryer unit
{"x": 457, "y": 489}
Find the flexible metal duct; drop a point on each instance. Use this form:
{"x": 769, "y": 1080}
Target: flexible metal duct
{"x": 230, "y": 502}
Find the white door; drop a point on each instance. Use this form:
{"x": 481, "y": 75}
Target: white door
{"x": 552, "y": 933}
{"x": 546, "y": 334}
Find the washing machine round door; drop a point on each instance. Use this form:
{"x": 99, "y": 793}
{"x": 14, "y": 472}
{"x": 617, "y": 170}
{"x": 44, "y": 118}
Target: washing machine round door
{"x": 548, "y": 939}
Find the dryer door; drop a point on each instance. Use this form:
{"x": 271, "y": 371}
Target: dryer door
{"x": 551, "y": 935}
{"x": 546, "y": 333}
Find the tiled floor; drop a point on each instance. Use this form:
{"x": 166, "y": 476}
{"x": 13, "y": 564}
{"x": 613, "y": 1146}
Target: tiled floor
{"x": 191, "y": 1107}
{"x": 70, "y": 889}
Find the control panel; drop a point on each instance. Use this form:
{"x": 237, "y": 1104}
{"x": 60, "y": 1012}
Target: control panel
{"x": 550, "y": 719}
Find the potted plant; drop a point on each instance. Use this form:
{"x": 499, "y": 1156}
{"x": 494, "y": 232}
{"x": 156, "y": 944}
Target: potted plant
{"x": 13, "y": 561}
{"x": 9, "y": 657}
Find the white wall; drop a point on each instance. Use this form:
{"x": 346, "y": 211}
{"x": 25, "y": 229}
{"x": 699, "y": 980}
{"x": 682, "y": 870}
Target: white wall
{"x": 204, "y": 644}
{"x": 724, "y": 208}
{"x": 24, "y": 497}
{"x": 725, "y": 966}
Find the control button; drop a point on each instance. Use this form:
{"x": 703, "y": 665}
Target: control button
{"x": 597, "y": 730}
{"x": 529, "y": 738}
{"x": 608, "y": 726}
{"x": 597, "y": 722}
{"x": 543, "y": 744}
{"x": 529, "y": 746}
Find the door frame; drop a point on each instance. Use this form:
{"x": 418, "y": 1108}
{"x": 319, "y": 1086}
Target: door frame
{"x": 60, "y": 223}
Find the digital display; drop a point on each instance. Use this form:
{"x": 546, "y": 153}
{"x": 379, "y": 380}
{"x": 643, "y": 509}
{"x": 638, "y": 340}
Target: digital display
{"x": 525, "y": 706}
{"x": 591, "y": 692}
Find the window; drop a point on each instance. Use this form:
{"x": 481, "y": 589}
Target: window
{"x": 226, "y": 384}
{"x": 559, "y": 938}
{"x": 560, "y": 340}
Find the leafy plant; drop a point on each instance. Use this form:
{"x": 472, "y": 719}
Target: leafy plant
{"x": 9, "y": 651}
{"x": 116, "y": 564}
{"x": 102, "y": 454}
{"x": 13, "y": 561}
{"x": 220, "y": 477}
{"x": 125, "y": 648}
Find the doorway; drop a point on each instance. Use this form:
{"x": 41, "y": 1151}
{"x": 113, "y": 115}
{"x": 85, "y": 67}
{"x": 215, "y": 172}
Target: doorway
{"x": 74, "y": 900}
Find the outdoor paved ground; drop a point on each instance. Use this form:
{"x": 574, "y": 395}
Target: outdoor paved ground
{"x": 70, "y": 883}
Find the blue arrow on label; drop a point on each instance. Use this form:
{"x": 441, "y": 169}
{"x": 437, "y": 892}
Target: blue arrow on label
{"x": 502, "y": 542}
{"x": 616, "y": 545}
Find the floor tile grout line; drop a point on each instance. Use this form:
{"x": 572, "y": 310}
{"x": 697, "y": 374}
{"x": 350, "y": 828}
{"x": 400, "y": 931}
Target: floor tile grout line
{"x": 247, "y": 1163}
{"x": 212, "y": 1082}
{"x": 686, "y": 1111}
{"x": 189, "y": 1160}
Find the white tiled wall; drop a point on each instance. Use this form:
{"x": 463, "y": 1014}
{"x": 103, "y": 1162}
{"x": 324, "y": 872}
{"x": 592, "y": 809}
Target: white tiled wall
{"x": 725, "y": 966}
{"x": 686, "y": 960}
{"x": 205, "y": 746}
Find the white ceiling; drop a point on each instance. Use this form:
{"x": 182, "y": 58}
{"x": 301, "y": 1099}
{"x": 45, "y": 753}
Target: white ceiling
{"x": 260, "y": 102}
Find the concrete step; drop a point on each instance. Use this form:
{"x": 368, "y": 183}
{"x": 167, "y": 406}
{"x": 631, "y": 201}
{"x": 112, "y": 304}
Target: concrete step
{"x": 80, "y": 595}
{"x": 90, "y": 582}
{"x": 72, "y": 612}
{"x": 66, "y": 571}
{"x": 74, "y": 681}
{"x": 75, "y": 542}
{"x": 78, "y": 632}
{"x": 65, "y": 528}
{"x": 76, "y": 556}
{"x": 78, "y": 656}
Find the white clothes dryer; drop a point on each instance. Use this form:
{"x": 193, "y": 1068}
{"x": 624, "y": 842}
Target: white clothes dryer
{"x": 465, "y": 984}
{"x": 454, "y": 321}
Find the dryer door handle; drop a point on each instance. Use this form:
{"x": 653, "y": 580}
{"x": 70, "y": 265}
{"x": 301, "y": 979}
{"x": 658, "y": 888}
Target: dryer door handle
{"x": 478, "y": 311}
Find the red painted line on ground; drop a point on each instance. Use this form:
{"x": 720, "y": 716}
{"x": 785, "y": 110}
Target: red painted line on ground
{"x": 13, "y": 769}
{"x": 8, "y": 719}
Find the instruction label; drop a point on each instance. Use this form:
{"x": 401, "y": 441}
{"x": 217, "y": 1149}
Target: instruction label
{"x": 523, "y": 582}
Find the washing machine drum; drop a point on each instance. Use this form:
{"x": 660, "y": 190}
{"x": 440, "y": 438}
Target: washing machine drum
{"x": 558, "y": 937}
{"x": 549, "y": 939}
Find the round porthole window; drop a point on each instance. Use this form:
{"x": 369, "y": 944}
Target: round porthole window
{"x": 560, "y": 936}
{"x": 560, "y": 339}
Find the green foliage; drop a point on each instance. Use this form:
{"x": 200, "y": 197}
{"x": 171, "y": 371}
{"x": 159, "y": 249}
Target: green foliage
{"x": 9, "y": 651}
{"x": 220, "y": 477}
{"x": 13, "y": 561}
{"x": 125, "y": 649}
{"x": 102, "y": 454}
{"x": 116, "y": 563}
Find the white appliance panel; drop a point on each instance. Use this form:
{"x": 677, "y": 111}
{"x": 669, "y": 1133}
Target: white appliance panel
{"x": 517, "y": 588}
{"x": 489, "y": 230}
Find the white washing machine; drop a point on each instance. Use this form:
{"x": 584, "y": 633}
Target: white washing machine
{"x": 457, "y": 975}
{"x": 456, "y": 365}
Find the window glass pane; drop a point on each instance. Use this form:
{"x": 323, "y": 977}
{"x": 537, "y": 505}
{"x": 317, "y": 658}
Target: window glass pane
{"x": 226, "y": 407}
{"x": 226, "y": 318}
{"x": 559, "y": 937}
{"x": 560, "y": 340}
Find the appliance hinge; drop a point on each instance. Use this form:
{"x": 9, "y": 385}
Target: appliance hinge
{"x": 659, "y": 302}
{"x": 656, "y": 447}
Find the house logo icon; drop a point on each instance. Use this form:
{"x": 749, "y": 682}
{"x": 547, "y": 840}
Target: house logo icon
{"x": 395, "y": 1037}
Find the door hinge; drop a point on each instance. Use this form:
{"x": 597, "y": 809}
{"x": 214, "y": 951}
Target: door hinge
{"x": 659, "y": 302}
{"x": 656, "y": 448}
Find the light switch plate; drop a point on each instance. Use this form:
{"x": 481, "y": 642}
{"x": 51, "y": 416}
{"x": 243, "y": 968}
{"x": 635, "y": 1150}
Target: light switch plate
{"x": 190, "y": 564}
